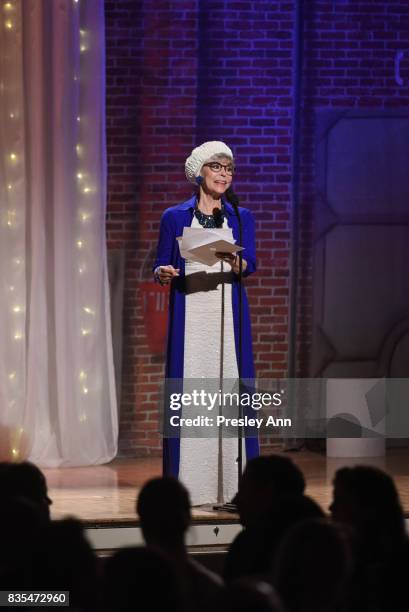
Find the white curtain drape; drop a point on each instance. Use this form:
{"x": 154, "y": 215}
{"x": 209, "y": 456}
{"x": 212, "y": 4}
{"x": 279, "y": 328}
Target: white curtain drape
{"x": 57, "y": 389}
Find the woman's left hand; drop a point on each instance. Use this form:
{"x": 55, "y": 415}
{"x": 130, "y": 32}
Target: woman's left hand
{"x": 233, "y": 260}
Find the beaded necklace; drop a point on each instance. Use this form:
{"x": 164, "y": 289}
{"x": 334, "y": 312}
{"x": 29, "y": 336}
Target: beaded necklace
{"x": 206, "y": 221}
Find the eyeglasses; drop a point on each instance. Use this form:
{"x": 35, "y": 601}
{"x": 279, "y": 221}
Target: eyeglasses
{"x": 217, "y": 167}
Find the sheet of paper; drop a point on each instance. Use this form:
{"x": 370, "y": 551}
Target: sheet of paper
{"x": 201, "y": 244}
{"x": 207, "y": 252}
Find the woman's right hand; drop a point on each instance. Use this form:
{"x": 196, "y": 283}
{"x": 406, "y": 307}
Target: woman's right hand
{"x": 165, "y": 274}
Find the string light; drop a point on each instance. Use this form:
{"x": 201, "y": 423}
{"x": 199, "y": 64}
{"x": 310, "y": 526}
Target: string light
{"x": 11, "y": 218}
{"x": 83, "y": 43}
{"x": 84, "y": 216}
{"x": 15, "y": 452}
{"x": 85, "y": 390}
{"x": 82, "y": 418}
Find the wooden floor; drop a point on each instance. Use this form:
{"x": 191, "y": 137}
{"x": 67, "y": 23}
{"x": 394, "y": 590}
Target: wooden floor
{"x": 105, "y": 495}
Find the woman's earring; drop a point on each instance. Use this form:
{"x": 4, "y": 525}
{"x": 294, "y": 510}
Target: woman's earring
{"x": 199, "y": 180}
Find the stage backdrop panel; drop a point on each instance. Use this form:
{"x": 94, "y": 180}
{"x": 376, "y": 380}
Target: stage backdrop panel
{"x": 361, "y": 245}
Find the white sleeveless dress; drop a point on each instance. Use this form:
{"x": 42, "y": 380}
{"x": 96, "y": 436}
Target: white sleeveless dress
{"x": 208, "y": 479}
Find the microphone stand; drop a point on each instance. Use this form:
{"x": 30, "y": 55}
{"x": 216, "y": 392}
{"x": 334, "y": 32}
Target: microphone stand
{"x": 218, "y": 219}
{"x": 234, "y": 201}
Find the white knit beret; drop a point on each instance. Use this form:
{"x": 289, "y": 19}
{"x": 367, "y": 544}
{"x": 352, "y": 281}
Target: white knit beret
{"x": 200, "y": 155}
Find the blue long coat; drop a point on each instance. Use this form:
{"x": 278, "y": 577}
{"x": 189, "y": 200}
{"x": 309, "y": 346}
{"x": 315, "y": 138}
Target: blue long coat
{"x": 173, "y": 220}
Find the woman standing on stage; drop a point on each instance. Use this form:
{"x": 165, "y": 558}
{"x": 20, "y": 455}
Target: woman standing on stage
{"x": 194, "y": 329}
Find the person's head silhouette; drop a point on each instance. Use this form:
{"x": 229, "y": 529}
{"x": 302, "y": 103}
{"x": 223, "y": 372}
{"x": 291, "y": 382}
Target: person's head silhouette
{"x": 265, "y": 480}
{"x": 363, "y": 494}
{"x": 366, "y": 499}
{"x": 163, "y": 506}
{"x": 25, "y": 480}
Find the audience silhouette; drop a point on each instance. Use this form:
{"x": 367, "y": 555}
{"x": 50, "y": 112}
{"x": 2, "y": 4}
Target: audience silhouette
{"x": 266, "y": 482}
{"x": 65, "y": 561}
{"x": 247, "y": 595}
{"x": 25, "y": 480}
{"x": 312, "y": 567}
{"x": 163, "y": 506}
{"x": 21, "y": 527}
{"x": 366, "y": 500}
{"x": 289, "y": 557}
{"x": 138, "y": 578}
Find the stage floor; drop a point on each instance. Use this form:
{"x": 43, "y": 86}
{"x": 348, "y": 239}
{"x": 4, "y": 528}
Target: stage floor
{"x": 104, "y": 496}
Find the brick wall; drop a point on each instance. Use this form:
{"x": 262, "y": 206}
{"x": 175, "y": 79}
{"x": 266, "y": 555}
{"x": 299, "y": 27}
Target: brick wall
{"x": 181, "y": 72}
{"x": 151, "y": 94}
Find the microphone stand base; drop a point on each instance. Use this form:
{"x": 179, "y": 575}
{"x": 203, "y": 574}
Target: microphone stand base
{"x": 227, "y": 507}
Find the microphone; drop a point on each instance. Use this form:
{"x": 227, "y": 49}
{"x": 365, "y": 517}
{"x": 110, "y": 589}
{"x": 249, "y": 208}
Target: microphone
{"x": 232, "y": 197}
{"x": 218, "y": 217}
